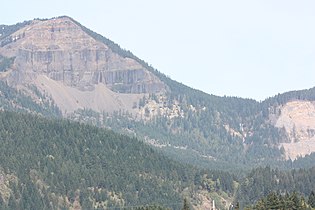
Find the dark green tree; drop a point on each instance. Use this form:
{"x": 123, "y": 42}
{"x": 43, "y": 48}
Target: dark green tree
{"x": 260, "y": 205}
{"x": 237, "y": 206}
{"x": 186, "y": 205}
{"x": 272, "y": 201}
{"x": 311, "y": 199}
{"x": 295, "y": 201}
{"x": 12, "y": 204}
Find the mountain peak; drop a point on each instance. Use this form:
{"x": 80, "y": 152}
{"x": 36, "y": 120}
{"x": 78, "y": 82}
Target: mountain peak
{"x": 60, "y": 61}
{"x": 60, "y": 51}
{"x": 53, "y": 34}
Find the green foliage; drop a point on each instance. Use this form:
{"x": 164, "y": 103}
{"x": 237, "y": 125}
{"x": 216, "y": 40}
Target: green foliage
{"x": 56, "y": 160}
{"x": 261, "y": 181}
{"x": 282, "y": 202}
{"x": 7, "y": 30}
{"x": 219, "y": 132}
{"x": 280, "y": 99}
{"x": 73, "y": 159}
{"x": 5, "y": 63}
{"x": 154, "y": 207}
{"x": 186, "y": 205}
{"x": 311, "y": 199}
{"x": 205, "y": 133}
{"x": 14, "y": 100}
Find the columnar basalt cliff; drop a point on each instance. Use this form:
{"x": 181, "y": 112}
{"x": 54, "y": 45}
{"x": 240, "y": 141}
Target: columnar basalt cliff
{"x": 61, "y": 51}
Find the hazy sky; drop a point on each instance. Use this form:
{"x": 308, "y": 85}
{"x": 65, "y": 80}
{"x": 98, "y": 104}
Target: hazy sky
{"x": 247, "y": 48}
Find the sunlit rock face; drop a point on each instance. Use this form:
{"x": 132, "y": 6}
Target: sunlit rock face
{"x": 298, "y": 120}
{"x": 61, "y": 50}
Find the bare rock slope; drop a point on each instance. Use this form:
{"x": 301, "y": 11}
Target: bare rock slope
{"x": 76, "y": 70}
{"x": 298, "y": 120}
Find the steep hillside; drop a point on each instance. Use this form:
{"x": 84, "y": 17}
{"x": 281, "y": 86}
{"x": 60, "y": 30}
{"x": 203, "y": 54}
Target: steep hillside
{"x": 91, "y": 79}
{"x": 56, "y": 164}
{"x": 262, "y": 181}
{"x": 14, "y": 100}
{"x": 294, "y": 113}
{"x": 298, "y": 119}
{"x": 58, "y": 52}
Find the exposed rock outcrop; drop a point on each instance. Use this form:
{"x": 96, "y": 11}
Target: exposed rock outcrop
{"x": 298, "y": 120}
{"x": 60, "y": 50}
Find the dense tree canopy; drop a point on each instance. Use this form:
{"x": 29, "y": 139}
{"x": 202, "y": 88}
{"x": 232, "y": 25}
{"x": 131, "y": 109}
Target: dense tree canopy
{"x": 58, "y": 159}
{"x": 261, "y": 181}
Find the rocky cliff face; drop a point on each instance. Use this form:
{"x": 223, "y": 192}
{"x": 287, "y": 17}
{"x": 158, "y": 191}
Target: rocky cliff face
{"x": 58, "y": 52}
{"x": 77, "y": 72}
{"x": 298, "y": 120}
{"x": 61, "y": 50}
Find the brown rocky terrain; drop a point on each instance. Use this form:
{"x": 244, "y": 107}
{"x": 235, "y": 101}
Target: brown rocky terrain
{"x": 298, "y": 119}
{"x": 77, "y": 71}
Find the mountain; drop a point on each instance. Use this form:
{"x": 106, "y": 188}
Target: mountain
{"x": 76, "y": 70}
{"x": 70, "y": 71}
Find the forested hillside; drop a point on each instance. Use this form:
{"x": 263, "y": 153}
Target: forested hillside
{"x": 225, "y": 129}
{"x": 50, "y": 164}
{"x": 7, "y": 30}
{"x": 261, "y": 182}
{"x": 187, "y": 124}
{"x": 283, "y": 201}
{"x": 15, "y": 100}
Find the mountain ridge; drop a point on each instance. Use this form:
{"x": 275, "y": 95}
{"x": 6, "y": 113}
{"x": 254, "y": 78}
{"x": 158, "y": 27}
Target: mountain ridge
{"x": 143, "y": 99}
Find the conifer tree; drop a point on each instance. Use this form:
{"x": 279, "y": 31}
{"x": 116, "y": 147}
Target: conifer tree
{"x": 296, "y": 201}
{"x": 186, "y": 205}
{"x": 272, "y": 201}
{"x": 311, "y": 199}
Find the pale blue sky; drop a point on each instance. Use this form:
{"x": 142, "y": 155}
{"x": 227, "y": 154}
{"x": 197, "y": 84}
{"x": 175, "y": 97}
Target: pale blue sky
{"x": 247, "y": 48}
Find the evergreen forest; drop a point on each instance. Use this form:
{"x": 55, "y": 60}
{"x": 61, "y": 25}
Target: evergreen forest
{"x": 221, "y": 149}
